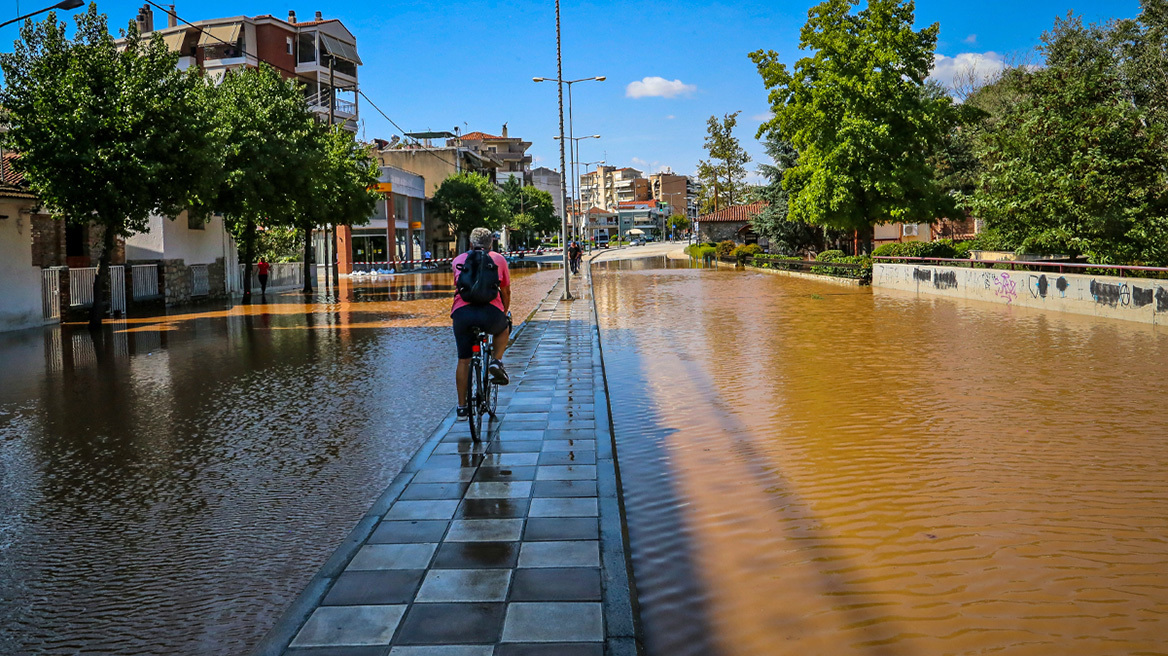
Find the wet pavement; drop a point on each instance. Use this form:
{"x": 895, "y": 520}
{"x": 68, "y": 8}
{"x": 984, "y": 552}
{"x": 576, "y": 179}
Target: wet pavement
{"x": 170, "y": 487}
{"x": 508, "y": 547}
{"x": 816, "y": 469}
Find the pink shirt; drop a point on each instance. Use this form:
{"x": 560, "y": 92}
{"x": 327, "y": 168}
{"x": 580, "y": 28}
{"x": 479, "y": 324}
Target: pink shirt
{"x": 504, "y": 279}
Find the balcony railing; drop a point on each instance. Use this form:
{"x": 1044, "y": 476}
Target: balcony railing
{"x": 320, "y": 102}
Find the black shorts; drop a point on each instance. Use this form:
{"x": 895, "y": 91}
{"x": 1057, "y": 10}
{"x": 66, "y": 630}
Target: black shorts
{"x": 489, "y": 318}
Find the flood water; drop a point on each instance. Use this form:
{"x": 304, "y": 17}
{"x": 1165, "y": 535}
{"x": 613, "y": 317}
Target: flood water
{"x": 171, "y": 487}
{"x": 820, "y": 469}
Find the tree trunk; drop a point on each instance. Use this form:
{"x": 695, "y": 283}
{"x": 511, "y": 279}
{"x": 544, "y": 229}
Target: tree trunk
{"x": 248, "y": 256}
{"x": 101, "y": 280}
{"x": 336, "y": 259}
{"x": 307, "y": 261}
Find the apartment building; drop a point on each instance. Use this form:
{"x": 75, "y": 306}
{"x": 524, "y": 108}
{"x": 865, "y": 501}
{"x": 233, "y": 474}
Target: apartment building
{"x": 647, "y": 216}
{"x": 548, "y": 180}
{"x": 321, "y": 54}
{"x": 607, "y": 187}
{"x": 679, "y": 192}
{"x": 511, "y": 153}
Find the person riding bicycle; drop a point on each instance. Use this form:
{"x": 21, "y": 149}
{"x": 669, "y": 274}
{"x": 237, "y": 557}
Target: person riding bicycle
{"x": 483, "y": 298}
{"x": 574, "y": 254}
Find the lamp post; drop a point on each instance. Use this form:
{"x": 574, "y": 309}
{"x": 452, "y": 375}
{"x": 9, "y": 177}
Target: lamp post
{"x": 563, "y": 165}
{"x": 576, "y": 176}
{"x": 64, "y": 4}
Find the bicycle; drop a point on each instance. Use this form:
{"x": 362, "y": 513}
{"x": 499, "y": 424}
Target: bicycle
{"x": 482, "y": 394}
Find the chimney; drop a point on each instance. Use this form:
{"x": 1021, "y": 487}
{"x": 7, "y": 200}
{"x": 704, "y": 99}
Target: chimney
{"x": 140, "y": 22}
{"x": 291, "y": 17}
{"x": 504, "y": 130}
{"x": 319, "y": 16}
{"x": 148, "y": 12}
{"x": 171, "y": 17}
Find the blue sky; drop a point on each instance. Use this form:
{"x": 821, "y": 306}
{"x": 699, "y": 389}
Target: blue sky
{"x": 437, "y": 65}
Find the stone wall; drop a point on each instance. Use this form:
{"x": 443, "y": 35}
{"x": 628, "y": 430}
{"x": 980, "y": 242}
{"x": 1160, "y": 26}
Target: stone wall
{"x": 217, "y": 282}
{"x": 719, "y": 231}
{"x": 48, "y": 241}
{"x": 176, "y": 282}
{"x": 1130, "y": 299}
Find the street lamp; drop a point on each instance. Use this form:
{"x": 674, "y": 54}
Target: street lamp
{"x": 64, "y": 4}
{"x": 560, "y": 78}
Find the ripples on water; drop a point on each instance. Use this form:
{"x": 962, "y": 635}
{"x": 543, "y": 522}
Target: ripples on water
{"x": 821, "y": 469}
{"x": 170, "y": 488}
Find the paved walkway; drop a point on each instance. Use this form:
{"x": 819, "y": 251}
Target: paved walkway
{"x": 511, "y": 547}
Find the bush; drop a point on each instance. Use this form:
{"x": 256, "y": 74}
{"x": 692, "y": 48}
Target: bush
{"x": 707, "y": 252}
{"x": 726, "y": 248}
{"x": 940, "y": 248}
{"x": 829, "y": 256}
{"x": 745, "y": 252}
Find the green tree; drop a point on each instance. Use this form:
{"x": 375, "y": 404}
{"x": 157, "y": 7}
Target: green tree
{"x": 785, "y": 236}
{"x": 855, "y": 112}
{"x": 271, "y": 154}
{"x": 107, "y": 136}
{"x": 677, "y": 223}
{"x": 339, "y": 191}
{"x": 530, "y": 211}
{"x": 466, "y": 201}
{"x": 1075, "y": 166}
{"x": 722, "y": 175}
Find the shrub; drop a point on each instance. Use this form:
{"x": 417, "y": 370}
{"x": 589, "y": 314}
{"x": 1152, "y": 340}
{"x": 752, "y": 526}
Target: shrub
{"x": 829, "y": 256}
{"x": 961, "y": 249}
{"x": 745, "y": 252}
{"x": 940, "y": 248}
{"x": 707, "y": 252}
{"x": 725, "y": 248}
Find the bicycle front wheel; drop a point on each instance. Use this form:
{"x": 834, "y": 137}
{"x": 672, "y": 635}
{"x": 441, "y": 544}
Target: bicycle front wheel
{"x": 474, "y": 401}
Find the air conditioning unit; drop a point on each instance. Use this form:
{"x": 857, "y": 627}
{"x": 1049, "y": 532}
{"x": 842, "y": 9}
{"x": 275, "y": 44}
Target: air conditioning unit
{"x": 909, "y": 230}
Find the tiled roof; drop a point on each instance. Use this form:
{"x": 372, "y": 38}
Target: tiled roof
{"x": 735, "y": 214}
{"x": 315, "y": 22}
{"x": 12, "y": 184}
{"x": 478, "y": 136}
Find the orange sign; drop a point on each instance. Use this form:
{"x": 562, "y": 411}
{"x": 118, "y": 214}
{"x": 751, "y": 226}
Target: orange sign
{"x": 415, "y": 225}
{"x": 382, "y": 187}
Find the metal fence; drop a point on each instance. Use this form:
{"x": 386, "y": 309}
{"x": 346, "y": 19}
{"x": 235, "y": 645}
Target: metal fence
{"x": 81, "y": 286}
{"x": 145, "y": 281}
{"x": 283, "y": 275}
{"x": 51, "y": 294}
{"x": 200, "y": 280}
{"x": 1033, "y": 265}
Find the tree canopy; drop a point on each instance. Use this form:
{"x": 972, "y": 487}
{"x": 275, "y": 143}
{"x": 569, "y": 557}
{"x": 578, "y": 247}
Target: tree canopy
{"x": 855, "y": 111}
{"x": 108, "y": 136}
{"x": 723, "y": 173}
{"x": 466, "y": 201}
{"x": 530, "y": 211}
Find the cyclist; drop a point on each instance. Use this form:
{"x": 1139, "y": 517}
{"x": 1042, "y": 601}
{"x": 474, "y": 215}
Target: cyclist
{"x": 574, "y": 253}
{"x": 482, "y": 301}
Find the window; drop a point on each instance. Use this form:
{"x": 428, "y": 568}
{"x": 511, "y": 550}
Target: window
{"x": 288, "y": 41}
{"x": 306, "y": 45}
{"x": 195, "y": 223}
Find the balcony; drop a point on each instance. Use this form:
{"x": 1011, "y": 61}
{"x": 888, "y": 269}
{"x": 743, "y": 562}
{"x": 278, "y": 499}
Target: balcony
{"x": 319, "y": 102}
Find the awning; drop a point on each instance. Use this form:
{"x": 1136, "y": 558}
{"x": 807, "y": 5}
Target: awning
{"x": 174, "y": 41}
{"x": 218, "y": 35}
{"x": 636, "y": 231}
{"x": 338, "y": 48}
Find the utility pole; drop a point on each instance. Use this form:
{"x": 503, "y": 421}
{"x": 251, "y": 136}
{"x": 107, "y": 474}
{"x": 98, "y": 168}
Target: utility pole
{"x": 332, "y": 114}
{"x": 563, "y": 165}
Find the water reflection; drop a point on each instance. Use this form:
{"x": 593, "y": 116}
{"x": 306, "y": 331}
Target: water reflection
{"x": 815, "y": 469}
{"x": 169, "y": 485}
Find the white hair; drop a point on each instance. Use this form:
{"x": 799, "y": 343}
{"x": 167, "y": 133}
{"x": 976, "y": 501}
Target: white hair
{"x": 481, "y": 238}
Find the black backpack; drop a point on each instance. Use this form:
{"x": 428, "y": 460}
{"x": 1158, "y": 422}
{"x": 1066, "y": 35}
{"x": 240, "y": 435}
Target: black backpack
{"x": 478, "y": 278}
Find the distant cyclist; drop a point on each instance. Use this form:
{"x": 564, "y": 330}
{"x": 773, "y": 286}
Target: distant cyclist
{"x": 574, "y": 253}
{"x": 483, "y": 298}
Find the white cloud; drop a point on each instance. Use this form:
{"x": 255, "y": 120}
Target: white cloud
{"x": 765, "y": 116}
{"x": 658, "y": 87}
{"x": 638, "y": 161}
{"x": 983, "y": 65}
{"x": 972, "y": 38}
{"x": 670, "y": 117}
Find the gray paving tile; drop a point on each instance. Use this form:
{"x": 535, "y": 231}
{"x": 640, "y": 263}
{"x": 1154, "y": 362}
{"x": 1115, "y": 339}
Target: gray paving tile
{"x": 508, "y": 435}
{"x": 526, "y": 459}
{"x": 461, "y": 446}
{"x": 477, "y": 555}
{"x": 582, "y": 553}
{"x": 566, "y": 473}
{"x": 556, "y": 584}
{"x": 444, "y": 650}
{"x": 564, "y": 489}
{"x": 376, "y": 650}
{"x": 350, "y": 625}
{"x": 415, "y": 491}
{"x": 568, "y": 445}
{"x": 499, "y": 490}
{"x": 465, "y": 585}
{"x": 563, "y": 507}
{"x": 393, "y": 556}
{"x": 551, "y": 649}
{"x": 452, "y": 624}
{"x": 430, "y": 509}
{"x": 461, "y": 474}
{"x": 553, "y": 622}
{"x": 504, "y": 474}
{"x": 485, "y": 530}
{"x": 374, "y": 587}
{"x": 492, "y": 508}
{"x": 408, "y": 531}
{"x": 567, "y": 458}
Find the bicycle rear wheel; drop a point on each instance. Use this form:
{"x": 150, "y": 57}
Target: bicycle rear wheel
{"x": 474, "y": 396}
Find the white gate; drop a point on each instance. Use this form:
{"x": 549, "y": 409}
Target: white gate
{"x": 145, "y": 281}
{"x": 51, "y": 294}
{"x": 118, "y": 289}
{"x": 81, "y": 286}
{"x": 200, "y": 280}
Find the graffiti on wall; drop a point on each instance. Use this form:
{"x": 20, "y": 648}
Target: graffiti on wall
{"x": 1141, "y": 297}
{"x": 1110, "y": 294}
{"x": 922, "y": 275}
{"x": 945, "y": 279}
{"x": 1039, "y": 286}
{"x": 1005, "y": 287}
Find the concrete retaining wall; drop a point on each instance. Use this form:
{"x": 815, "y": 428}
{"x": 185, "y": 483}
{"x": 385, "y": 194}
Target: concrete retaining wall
{"x": 1130, "y": 299}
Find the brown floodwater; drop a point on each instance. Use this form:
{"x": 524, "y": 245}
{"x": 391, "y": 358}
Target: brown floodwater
{"x": 820, "y": 469}
{"x": 171, "y": 486}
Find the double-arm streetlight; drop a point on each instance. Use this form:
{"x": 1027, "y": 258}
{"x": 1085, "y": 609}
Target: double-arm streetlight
{"x": 575, "y": 152}
{"x": 64, "y": 4}
{"x": 563, "y": 165}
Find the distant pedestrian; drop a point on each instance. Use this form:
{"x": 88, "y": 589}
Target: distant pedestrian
{"x": 427, "y": 255}
{"x": 263, "y": 269}
{"x": 574, "y": 253}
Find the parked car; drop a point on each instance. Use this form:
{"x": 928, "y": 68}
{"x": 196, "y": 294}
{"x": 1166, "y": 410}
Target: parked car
{"x": 635, "y": 242}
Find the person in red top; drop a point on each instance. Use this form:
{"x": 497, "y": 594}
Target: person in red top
{"x": 490, "y": 317}
{"x": 262, "y": 270}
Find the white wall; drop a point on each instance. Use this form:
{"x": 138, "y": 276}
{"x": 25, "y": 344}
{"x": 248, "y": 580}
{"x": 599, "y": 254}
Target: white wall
{"x": 174, "y": 240}
{"x": 1131, "y": 299}
{"x": 20, "y": 282}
